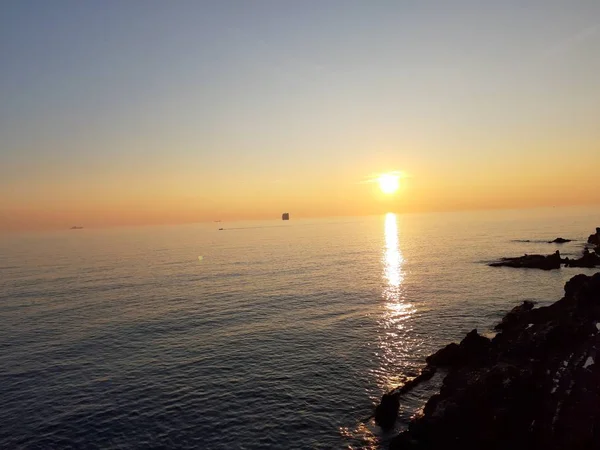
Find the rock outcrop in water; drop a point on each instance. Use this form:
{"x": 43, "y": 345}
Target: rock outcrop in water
{"x": 543, "y": 262}
{"x": 554, "y": 261}
{"x": 595, "y": 238}
{"x": 535, "y": 385}
{"x": 588, "y": 260}
{"x": 386, "y": 412}
{"x": 559, "y": 240}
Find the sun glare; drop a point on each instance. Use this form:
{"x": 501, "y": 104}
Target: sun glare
{"x": 389, "y": 183}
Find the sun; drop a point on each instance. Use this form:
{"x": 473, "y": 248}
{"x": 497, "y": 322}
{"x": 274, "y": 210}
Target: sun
{"x": 388, "y": 183}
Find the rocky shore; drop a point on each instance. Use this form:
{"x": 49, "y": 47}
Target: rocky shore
{"x": 535, "y": 385}
{"x": 543, "y": 262}
{"x": 550, "y": 262}
{"x": 555, "y": 261}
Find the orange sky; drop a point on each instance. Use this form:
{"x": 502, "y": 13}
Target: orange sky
{"x": 104, "y": 202}
{"x": 106, "y": 121}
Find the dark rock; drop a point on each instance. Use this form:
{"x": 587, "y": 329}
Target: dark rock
{"x": 588, "y": 260}
{"x": 445, "y": 357}
{"x": 575, "y": 284}
{"x": 536, "y": 384}
{"x": 595, "y": 238}
{"x": 474, "y": 348}
{"x": 559, "y": 240}
{"x": 387, "y": 411}
{"x": 514, "y": 315}
{"x": 543, "y": 262}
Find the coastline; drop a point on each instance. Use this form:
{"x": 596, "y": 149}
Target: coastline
{"x": 533, "y": 385}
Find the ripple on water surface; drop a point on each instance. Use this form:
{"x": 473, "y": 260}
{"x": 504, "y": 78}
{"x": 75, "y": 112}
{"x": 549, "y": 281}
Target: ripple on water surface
{"x": 279, "y": 337}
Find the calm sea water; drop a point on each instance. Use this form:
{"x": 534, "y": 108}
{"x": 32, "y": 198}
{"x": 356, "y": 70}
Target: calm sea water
{"x": 283, "y": 335}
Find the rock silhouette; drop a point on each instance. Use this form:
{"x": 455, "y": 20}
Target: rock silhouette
{"x": 387, "y": 410}
{"x": 514, "y": 315}
{"x": 543, "y": 262}
{"x": 559, "y": 240}
{"x": 535, "y": 385}
{"x": 588, "y": 260}
{"x": 595, "y": 238}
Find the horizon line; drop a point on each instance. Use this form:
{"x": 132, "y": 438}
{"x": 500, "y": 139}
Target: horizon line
{"x": 292, "y": 218}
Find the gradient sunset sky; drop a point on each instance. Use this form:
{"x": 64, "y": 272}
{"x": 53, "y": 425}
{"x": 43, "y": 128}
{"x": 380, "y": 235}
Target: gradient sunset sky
{"x": 134, "y": 112}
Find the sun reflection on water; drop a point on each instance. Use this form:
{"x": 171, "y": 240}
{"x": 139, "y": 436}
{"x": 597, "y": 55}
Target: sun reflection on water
{"x": 394, "y": 356}
{"x": 392, "y": 260}
{"x": 394, "y": 337}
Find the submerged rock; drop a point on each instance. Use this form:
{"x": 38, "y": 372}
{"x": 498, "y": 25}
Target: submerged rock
{"x": 543, "y": 262}
{"x": 536, "y": 385}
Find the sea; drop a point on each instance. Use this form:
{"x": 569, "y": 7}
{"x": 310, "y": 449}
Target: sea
{"x": 262, "y": 335}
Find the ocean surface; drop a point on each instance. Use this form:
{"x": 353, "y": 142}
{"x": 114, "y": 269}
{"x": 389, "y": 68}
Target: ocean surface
{"x": 265, "y": 335}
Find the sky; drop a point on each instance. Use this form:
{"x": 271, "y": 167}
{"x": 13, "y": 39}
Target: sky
{"x": 144, "y": 112}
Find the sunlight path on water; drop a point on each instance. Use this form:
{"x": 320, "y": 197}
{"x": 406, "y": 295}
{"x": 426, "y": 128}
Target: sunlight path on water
{"x": 393, "y": 338}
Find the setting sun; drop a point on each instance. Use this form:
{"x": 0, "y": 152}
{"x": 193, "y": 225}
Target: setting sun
{"x": 389, "y": 183}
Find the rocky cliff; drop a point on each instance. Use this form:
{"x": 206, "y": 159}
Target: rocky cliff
{"x": 535, "y": 385}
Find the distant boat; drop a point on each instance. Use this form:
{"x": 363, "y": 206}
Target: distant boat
{"x": 75, "y": 227}
{"x": 220, "y": 229}
{"x": 285, "y": 216}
